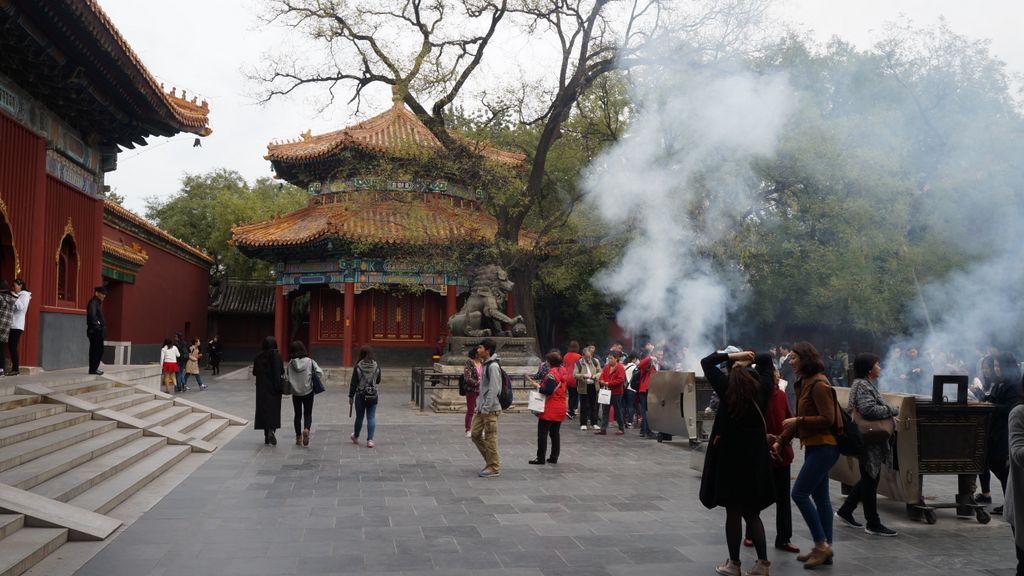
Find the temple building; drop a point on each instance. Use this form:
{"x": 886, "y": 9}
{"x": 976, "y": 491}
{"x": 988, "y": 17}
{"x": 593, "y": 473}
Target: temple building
{"x": 381, "y": 254}
{"x": 72, "y": 95}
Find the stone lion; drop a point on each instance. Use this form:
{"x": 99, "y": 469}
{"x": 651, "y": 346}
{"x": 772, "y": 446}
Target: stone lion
{"x": 482, "y": 314}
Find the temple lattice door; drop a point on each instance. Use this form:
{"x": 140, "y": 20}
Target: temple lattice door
{"x": 398, "y": 316}
{"x": 332, "y": 315}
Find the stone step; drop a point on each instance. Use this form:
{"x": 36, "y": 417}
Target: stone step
{"x": 83, "y": 387}
{"x": 42, "y": 469}
{"x": 144, "y": 409}
{"x": 41, "y": 512}
{"x": 32, "y": 428}
{"x": 39, "y": 446}
{"x": 83, "y": 477}
{"x": 10, "y": 523}
{"x": 187, "y": 422}
{"x": 209, "y": 429}
{"x": 9, "y": 401}
{"x": 30, "y": 412}
{"x": 26, "y": 547}
{"x": 106, "y": 496}
{"x": 127, "y": 401}
{"x": 98, "y": 396}
{"x": 133, "y": 374}
{"x": 166, "y": 416}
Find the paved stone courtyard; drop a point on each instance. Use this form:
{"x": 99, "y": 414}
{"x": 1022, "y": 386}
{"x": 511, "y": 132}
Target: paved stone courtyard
{"x": 414, "y": 505}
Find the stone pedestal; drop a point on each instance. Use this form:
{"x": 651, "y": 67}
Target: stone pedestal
{"x": 518, "y": 357}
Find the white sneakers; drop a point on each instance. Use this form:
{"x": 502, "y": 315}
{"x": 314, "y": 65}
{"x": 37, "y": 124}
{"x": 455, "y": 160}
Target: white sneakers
{"x": 584, "y": 427}
{"x": 469, "y": 434}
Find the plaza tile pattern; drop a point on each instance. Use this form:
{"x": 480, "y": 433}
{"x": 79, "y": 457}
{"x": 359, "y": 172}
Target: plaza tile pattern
{"x": 613, "y": 506}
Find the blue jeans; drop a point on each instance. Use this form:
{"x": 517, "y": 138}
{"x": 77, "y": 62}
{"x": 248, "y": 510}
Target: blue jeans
{"x": 371, "y": 417}
{"x": 812, "y": 482}
{"x": 181, "y": 377}
{"x": 199, "y": 379}
{"x": 644, "y": 426}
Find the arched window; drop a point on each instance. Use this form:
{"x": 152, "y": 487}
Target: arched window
{"x": 67, "y": 270}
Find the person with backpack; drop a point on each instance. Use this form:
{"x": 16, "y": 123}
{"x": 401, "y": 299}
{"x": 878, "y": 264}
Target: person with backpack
{"x": 549, "y": 422}
{"x": 817, "y": 422}
{"x": 299, "y": 371}
{"x": 484, "y": 431}
{"x": 471, "y": 374}
{"x": 362, "y": 391}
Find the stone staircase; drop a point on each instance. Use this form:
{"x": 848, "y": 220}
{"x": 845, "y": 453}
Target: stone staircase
{"x": 73, "y": 449}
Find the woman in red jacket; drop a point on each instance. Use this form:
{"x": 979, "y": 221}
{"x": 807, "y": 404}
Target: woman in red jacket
{"x": 549, "y": 422}
{"x": 613, "y": 375}
{"x": 572, "y": 355}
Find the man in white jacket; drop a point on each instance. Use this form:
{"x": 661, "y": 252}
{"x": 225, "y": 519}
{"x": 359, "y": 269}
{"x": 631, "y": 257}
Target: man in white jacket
{"x": 18, "y": 324}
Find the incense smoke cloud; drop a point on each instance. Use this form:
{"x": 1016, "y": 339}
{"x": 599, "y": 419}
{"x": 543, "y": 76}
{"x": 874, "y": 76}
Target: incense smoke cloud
{"x": 680, "y": 179}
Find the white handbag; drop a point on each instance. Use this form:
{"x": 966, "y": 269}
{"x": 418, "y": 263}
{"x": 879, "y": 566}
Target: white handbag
{"x": 604, "y": 396}
{"x": 536, "y": 402}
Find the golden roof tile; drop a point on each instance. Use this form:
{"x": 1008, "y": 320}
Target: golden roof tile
{"x": 388, "y": 132}
{"x": 134, "y": 253}
{"x": 361, "y": 219}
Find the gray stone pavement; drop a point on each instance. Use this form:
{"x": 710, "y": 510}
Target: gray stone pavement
{"x": 414, "y": 505}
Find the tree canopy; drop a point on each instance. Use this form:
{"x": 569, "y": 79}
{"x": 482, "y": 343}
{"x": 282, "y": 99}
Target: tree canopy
{"x": 208, "y": 205}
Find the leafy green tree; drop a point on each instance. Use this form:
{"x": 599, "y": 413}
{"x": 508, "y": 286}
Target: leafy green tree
{"x": 208, "y": 205}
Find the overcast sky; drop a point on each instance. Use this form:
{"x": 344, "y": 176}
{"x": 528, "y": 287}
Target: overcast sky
{"x": 205, "y": 46}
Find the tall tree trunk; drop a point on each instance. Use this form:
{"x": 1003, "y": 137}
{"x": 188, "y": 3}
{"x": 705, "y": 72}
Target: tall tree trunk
{"x": 522, "y": 294}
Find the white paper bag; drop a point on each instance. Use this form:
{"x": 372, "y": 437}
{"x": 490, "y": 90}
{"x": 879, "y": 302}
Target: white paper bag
{"x": 604, "y": 396}
{"x": 536, "y": 402}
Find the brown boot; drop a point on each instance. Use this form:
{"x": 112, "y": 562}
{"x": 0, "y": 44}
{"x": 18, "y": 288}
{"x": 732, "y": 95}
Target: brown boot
{"x": 298, "y": 440}
{"x": 820, "y": 554}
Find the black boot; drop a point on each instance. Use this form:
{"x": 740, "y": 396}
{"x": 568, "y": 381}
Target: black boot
{"x": 273, "y": 439}
{"x": 266, "y": 436}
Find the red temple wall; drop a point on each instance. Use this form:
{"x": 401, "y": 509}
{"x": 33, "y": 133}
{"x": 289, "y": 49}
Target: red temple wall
{"x": 169, "y": 294}
{"x": 22, "y": 189}
{"x": 64, "y": 204}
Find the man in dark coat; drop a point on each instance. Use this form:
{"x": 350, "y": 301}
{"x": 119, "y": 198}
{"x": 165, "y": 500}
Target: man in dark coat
{"x": 94, "y": 328}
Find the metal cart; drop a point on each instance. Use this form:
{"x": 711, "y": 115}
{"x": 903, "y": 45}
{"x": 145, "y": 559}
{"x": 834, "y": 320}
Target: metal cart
{"x": 932, "y": 438}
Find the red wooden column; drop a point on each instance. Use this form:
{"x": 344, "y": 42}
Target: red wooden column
{"x": 449, "y": 308}
{"x": 510, "y": 307}
{"x": 280, "y": 318}
{"x": 349, "y": 305}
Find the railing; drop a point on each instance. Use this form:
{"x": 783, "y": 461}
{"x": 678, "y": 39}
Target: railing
{"x": 424, "y": 378}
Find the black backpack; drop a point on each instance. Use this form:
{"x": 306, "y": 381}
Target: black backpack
{"x": 634, "y": 380}
{"x": 462, "y": 384}
{"x": 368, "y": 388}
{"x": 505, "y": 392}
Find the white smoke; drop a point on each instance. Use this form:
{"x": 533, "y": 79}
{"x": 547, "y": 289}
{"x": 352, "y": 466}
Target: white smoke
{"x": 681, "y": 178}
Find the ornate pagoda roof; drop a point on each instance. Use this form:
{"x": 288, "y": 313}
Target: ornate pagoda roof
{"x": 69, "y": 54}
{"x": 360, "y": 217}
{"x": 391, "y": 132}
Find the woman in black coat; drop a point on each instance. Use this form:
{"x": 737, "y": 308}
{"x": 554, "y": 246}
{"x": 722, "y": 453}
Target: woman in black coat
{"x": 737, "y": 470}
{"x": 269, "y": 372}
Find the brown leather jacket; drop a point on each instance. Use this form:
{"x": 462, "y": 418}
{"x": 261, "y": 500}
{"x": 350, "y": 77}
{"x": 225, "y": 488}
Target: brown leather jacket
{"x": 816, "y": 411}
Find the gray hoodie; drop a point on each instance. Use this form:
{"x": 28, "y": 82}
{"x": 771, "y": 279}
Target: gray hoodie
{"x": 490, "y": 385}
{"x": 300, "y": 375}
